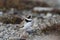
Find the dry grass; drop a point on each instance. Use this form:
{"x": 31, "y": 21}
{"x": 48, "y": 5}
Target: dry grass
{"x": 11, "y": 20}
{"x": 53, "y": 28}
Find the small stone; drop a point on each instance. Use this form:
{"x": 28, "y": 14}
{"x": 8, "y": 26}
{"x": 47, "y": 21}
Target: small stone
{"x": 14, "y": 38}
{"x": 6, "y": 36}
{"x": 12, "y": 31}
{"x": 1, "y": 34}
{"x": 7, "y": 26}
{"x": 1, "y": 23}
{"x": 54, "y": 15}
{"x": 42, "y": 15}
{"x": 1, "y": 38}
{"x": 2, "y": 28}
{"x": 49, "y": 15}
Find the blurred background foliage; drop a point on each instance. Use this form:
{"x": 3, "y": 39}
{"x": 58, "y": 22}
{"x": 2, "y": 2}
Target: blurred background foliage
{"x": 21, "y": 4}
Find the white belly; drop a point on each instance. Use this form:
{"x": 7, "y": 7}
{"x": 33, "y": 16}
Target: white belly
{"x": 28, "y": 26}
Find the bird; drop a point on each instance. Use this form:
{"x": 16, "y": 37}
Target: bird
{"x": 27, "y": 28}
{"x": 28, "y": 24}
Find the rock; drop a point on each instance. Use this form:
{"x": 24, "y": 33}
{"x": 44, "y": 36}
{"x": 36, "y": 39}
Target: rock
{"x": 42, "y": 26}
{"x": 47, "y": 22}
{"x": 1, "y": 38}
{"x": 6, "y": 36}
{"x": 10, "y": 28}
{"x": 42, "y": 15}
{"x": 2, "y": 28}
{"x": 12, "y": 31}
{"x": 1, "y": 34}
{"x": 49, "y": 14}
{"x": 7, "y": 26}
{"x": 24, "y": 35}
{"x": 54, "y": 15}
{"x": 14, "y": 38}
{"x": 1, "y": 23}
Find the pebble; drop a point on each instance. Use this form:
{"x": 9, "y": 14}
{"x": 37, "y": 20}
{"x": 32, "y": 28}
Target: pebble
{"x": 1, "y": 34}
{"x": 6, "y": 36}
{"x": 14, "y": 38}
{"x": 1, "y": 38}
{"x": 7, "y": 31}
{"x": 2, "y": 28}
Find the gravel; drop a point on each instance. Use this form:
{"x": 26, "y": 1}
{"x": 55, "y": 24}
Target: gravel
{"x": 12, "y": 32}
